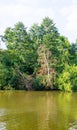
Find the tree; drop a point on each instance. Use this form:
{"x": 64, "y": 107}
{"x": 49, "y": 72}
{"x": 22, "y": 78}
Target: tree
{"x": 45, "y": 72}
{"x": 21, "y": 55}
{"x": 73, "y": 53}
{"x": 38, "y": 58}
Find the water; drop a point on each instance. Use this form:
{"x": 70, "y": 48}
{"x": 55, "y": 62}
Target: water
{"x": 21, "y": 110}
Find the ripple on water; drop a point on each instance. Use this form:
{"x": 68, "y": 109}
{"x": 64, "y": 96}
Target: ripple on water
{"x": 73, "y": 126}
{"x": 2, "y": 126}
{"x": 2, "y": 112}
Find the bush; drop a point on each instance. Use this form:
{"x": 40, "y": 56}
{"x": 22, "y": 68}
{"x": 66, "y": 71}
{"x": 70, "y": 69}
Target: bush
{"x": 67, "y": 81}
{"x": 37, "y": 85}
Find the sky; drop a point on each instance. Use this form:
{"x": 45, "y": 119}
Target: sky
{"x": 63, "y": 13}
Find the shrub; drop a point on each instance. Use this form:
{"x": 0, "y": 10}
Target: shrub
{"x": 67, "y": 80}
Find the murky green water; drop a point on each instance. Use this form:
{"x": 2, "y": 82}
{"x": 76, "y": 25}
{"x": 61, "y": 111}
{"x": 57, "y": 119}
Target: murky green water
{"x": 21, "y": 110}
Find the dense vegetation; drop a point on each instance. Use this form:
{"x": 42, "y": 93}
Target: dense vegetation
{"x": 38, "y": 59}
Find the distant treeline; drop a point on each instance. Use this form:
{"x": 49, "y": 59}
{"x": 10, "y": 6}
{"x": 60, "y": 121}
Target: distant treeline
{"x": 37, "y": 59}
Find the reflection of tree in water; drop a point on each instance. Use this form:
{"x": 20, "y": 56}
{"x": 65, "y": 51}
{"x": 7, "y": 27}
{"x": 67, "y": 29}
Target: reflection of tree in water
{"x": 47, "y": 112}
{"x": 68, "y": 109}
{"x": 56, "y": 111}
{"x": 39, "y": 110}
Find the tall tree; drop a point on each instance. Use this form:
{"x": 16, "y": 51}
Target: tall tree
{"x": 45, "y": 71}
{"x": 21, "y": 53}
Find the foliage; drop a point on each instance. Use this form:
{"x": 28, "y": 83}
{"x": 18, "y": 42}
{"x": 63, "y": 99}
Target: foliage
{"x": 38, "y": 59}
{"x": 67, "y": 80}
{"x": 45, "y": 71}
{"x": 37, "y": 84}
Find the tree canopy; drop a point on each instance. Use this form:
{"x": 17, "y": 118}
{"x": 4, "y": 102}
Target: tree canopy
{"x": 38, "y": 59}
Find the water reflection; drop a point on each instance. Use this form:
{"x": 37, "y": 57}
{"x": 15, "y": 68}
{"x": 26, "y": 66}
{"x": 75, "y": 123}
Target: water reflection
{"x": 73, "y": 126}
{"x": 38, "y": 111}
{"x": 2, "y": 112}
{"x": 2, "y": 126}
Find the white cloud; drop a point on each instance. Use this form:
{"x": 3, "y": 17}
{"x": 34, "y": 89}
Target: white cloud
{"x": 72, "y": 19}
{"x": 74, "y": 1}
{"x": 70, "y": 15}
{"x": 11, "y": 14}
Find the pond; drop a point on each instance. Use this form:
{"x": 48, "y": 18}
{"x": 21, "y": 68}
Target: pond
{"x": 45, "y": 110}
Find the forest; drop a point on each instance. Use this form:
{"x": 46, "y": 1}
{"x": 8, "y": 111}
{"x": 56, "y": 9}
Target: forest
{"x": 38, "y": 58}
